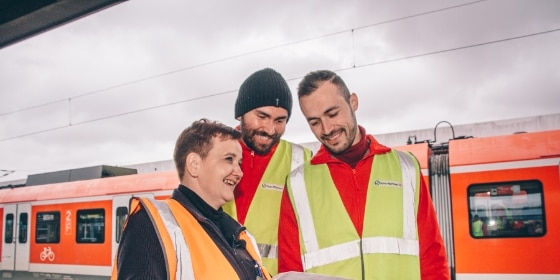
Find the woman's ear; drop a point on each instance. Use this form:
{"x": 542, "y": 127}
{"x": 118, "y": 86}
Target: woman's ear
{"x": 193, "y": 164}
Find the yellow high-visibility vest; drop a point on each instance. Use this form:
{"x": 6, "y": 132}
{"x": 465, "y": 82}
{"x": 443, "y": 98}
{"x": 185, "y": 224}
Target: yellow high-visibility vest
{"x": 264, "y": 212}
{"x": 388, "y": 248}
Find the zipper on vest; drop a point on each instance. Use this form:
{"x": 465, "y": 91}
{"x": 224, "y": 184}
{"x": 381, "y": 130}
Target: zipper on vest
{"x": 252, "y": 158}
{"x": 239, "y": 243}
{"x": 236, "y": 241}
{"x": 360, "y": 203}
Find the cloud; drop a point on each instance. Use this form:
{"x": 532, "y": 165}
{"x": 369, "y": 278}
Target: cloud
{"x": 121, "y": 84}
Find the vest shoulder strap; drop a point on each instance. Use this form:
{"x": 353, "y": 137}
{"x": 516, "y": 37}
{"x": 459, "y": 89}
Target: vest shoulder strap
{"x": 174, "y": 245}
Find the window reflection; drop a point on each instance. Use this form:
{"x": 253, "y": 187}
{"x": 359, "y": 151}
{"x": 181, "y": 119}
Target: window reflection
{"x": 507, "y": 210}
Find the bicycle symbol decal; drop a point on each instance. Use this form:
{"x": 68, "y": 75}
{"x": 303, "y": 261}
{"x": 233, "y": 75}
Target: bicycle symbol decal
{"x": 47, "y": 254}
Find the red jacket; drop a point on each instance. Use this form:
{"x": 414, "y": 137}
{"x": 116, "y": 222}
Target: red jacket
{"x": 433, "y": 260}
{"x": 253, "y": 166}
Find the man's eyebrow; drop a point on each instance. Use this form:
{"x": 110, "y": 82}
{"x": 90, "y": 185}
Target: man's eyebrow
{"x": 312, "y": 118}
{"x": 259, "y": 112}
{"x": 330, "y": 109}
{"x": 262, "y": 113}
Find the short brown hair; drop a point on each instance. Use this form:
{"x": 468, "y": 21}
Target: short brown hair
{"x": 313, "y": 80}
{"x": 197, "y": 138}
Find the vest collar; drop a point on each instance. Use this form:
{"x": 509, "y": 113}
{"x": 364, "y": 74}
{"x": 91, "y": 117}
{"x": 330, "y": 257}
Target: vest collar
{"x": 323, "y": 155}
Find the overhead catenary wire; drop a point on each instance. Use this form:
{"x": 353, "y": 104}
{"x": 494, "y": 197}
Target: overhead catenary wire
{"x": 237, "y": 56}
{"x": 297, "y": 78}
{"x": 5, "y": 172}
{"x": 353, "y": 66}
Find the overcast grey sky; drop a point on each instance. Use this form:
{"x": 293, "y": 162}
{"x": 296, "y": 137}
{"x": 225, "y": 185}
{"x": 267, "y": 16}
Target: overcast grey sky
{"x": 118, "y": 87}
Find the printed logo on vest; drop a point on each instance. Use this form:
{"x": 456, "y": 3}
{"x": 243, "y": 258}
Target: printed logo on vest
{"x": 387, "y": 184}
{"x": 272, "y": 187}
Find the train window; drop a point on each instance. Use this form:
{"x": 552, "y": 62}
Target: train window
{"x": 90, "y": 227}
{"x": 8, "y": 234}
{"x": 122, "y": 214}
{"x": 513, "y": 209}
{"x": 22, "y": 232}
{"x": 47, "y": 229}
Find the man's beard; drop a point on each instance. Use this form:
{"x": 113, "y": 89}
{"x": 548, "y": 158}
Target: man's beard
{"x": 249, "y": 134}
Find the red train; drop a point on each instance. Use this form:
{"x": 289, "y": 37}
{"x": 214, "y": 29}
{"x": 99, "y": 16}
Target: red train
{"x": 512, "y": 183}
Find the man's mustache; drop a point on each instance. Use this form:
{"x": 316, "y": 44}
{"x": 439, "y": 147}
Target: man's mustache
{"x": 328, "y": 136}
{"x": 264, "y": 134}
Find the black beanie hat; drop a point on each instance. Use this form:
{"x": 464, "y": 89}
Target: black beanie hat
{"x": 265, "y": 87}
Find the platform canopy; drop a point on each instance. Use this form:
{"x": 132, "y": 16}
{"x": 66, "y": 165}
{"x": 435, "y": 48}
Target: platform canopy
{"x": 22, "y": 19}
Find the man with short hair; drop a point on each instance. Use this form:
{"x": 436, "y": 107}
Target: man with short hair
{"x": 360, "y": 209}
{"x": 263, "y": 107}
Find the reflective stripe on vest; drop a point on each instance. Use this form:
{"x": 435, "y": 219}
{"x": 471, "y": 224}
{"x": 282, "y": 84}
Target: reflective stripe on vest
{"x": 409, "y": 193}
{"x": 315, "y": 256}
{"x": 255, "y": 254}
{"x": 298, "y": 156}
{"x": 181, "y": 249}
{"x": 268, "y": 250}
{"x": 183, "y": 269}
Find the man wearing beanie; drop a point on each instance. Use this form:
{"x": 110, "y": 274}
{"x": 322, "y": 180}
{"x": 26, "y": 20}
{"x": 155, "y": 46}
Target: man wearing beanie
{"x": 263, "y": 108}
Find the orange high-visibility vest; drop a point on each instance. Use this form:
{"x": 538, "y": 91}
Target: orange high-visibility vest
{"x": 187, "y": 245}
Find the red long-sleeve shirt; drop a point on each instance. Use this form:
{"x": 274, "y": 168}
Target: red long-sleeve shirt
{"x": 433, "y": 260}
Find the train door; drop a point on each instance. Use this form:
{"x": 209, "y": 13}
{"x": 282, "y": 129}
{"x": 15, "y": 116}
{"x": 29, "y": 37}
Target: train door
{"x": 8, "y": 237}
{"x": 120, "y": 213}
{"x": 22, "y": 238}
{"x": 15, "y": 237}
